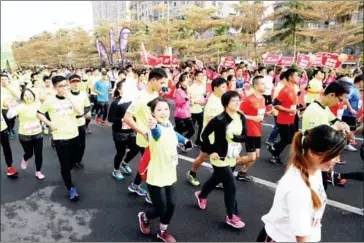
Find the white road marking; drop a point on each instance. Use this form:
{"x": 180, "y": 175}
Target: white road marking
{"x": 272, "y": 185}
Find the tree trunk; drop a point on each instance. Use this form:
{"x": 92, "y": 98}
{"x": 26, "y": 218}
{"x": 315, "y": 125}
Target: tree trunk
{"x": 294, "y": 43}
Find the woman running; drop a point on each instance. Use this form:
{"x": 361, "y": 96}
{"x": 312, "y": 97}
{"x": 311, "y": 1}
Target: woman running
{"x": 182, "y": 114}
{"x": 162, "y": 174}
{"x": 300, "y": 197}
{"x": 230, "y": 130}
{"x": 30, "y": 130}
{"x": 124, "y": 137}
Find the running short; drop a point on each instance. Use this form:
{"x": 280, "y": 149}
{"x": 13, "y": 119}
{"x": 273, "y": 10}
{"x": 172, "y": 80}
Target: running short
{"x": 268, "y": 99}
{"x": 351, "y": 121}
{"x": 252, "y": 143}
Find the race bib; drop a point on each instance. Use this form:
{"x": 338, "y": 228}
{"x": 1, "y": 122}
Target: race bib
{"x": 340, "y": 113}
{"x": 31, "y": 127}
{"x": 124, "y": 126}
{"x": 234, "y": 150}
{"x": 63, "y": 109}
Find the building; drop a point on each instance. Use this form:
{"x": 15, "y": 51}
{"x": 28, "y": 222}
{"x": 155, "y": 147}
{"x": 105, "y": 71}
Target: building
{"x": 112, "y": 11}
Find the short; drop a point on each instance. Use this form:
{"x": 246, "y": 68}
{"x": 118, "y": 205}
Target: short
{"x": 252, "y": 144}
{"x": 268, "y": 99}
{"x": 351, "y": 121}
{"x": 204, "y": 148}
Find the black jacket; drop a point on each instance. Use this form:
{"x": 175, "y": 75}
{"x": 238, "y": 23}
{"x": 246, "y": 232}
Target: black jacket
{"x": 218, "y": 125}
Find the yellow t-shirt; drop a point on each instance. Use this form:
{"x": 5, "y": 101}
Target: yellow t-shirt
{"x": 315, "y": 115}
{"x": 197, "y": 93}
{"x": 235, "y": 127}
{"x": 213, "y": 108}
{"x": 81, "y": 98}
{"x": 48, "y": 92}
{"x": 3, "y": 123}
{"x": 315, "y": 85}
{"x": 139, "y": 109}
{"x": 28, "y": 122}
{"x": 84, "y": 85}
{"x": 163, "y": 158}
{"x": 63, "y": 116}
{"x": 7, "y": 97}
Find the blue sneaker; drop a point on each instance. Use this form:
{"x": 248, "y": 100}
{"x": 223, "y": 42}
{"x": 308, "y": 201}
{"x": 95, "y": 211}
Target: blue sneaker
{"x": 117, "y": 175}
{"x": 137, "y": 189}
{"x": 148, "y": 199}
{"x": 127, "y": 170}
{"x": 73, "y": 194}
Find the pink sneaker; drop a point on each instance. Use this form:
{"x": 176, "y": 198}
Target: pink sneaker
{"x": 201, "y": 202}
{"x": 39, "y": 175}
{"x": 235, "y": 222}
{"x": 24, "y": 164}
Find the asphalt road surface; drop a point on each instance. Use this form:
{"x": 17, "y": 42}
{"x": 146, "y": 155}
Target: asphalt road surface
{"x": 33, "y": 210}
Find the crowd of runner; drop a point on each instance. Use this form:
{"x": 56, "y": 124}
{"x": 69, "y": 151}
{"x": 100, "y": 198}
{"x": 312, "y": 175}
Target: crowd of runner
{"x": 222, "y": 110}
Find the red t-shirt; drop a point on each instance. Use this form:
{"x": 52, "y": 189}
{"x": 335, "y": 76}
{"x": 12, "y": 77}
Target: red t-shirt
{"x": 253, "y": 106}
{"x": 287, "y": 98}
{"x": 338, "y": 110}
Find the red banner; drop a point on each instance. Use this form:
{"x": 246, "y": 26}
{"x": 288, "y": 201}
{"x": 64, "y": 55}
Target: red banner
{"x": 167, "y": 60}
{"x": 285, "y": 61}
{"x": 271, "y": 59}
{"x": 331, "y": 60}
{"x": 228, "y": 62}
{"x": 303, "y": 61}
{"x": 318, "y": 59}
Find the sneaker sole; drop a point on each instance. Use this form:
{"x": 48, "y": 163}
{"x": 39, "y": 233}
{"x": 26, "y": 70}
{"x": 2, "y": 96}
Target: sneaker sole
{"x": 244, "y": 179}
{"x": 116, "y": 178}
{"x": 140, "y": 224}
{"x": 198, "y": 201}
{"x": 234, "y": 226}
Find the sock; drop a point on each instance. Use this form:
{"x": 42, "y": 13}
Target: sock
{"x": 163, "y": 228}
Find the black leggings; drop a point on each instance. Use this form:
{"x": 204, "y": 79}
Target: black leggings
{"x": 33, "y": 145}
{"x": 121, "y": 149}
{"x": 184, "y": 125}
{"x": 104, "y": 107}
{"x": 164, "y": 201}
{"x": 138, "y": 178}
{"x": 87, "y": 122}
{"x": 224, "y": 175}
{"x": 286, "y": 132}
{"x": 4, "y": 140}
{"x": 95, "y": 107}
{"x": 9, "y": 122}
{"x": 264, "y": 237}
{"x": 67, "y": 151}
{"x": 82, "y": 141}
{"x": 198, "y": 118}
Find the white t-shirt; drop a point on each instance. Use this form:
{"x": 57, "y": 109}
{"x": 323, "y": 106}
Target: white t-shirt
{"x": 292, "y": 213}
{"x": 268, "y": 80}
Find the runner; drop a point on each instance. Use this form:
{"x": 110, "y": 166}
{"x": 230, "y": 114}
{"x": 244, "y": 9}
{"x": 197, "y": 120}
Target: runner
{"x": 198, "y": 101}
{"x": 300, "y": 198}
{"x": 268, "y": 80}
{"x": 30, "y": 130}
{"x": 213, "y": 108}
{"x": 102, "y": 88}
{"x": 124, "y": 137}
{"x": 314, "y": 86}
{"x": 229, "y": 130}
{"x": 63, "y": 110}
{"x": 253, "y": 107}
{"x": 139, "y": 110}
{"x": 162, "y": 174}
{"x": 182, "y": 114}
{"x": 93, "y": 95}
{"x": 286, "y": 104}
{"x": 5, "y": 144}
{"x": 81, "y": 98}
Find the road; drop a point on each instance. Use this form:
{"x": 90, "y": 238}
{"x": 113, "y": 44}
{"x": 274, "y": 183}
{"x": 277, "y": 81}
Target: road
{"x": 33, "y": 210}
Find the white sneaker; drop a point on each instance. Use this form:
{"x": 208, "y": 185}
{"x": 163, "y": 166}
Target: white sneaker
{"x": 350, "y": 148}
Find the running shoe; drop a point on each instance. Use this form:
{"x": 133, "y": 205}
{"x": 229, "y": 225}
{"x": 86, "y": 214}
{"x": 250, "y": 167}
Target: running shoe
{"x": 220, "y": 186}
{"x": 235, "y": 222}
{"x": 11, "y": 171}
{"x": 73, "y": 194}
{"x": 137, "y": 189}
{"x": 197, "y": 145}
{"x": 127, "y": 170}
{"x": 117, "y": 175}
{"x": 351, "y": 148}
{"x": 192, "y": 179}
{"x": 98, "y": 120}
{"x": 144, "y": 225}
{"x": 353, "y": 142}
{"x": 201, "y": 202}
{"x": 335, "y": 180}
{"x": 105, "y": 123}
{"x": 23, "y": 164}
{"x": 88, "y": 131}
{"x": 39, "y": 175}
{"x": 165, "y": 236}
{"x": 275, "y": 160}
{"x": 79, "y": 165}
{"x": 269, "y": 143}
{"x": 148, "y": 199}
{"x": 244, "y": 177}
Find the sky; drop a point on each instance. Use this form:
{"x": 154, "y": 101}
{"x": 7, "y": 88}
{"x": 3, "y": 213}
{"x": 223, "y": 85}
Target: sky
{"x": 23, "y": 19}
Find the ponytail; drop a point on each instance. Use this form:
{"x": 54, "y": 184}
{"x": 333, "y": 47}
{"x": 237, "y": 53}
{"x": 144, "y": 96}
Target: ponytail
{"x": 299, "y": 161}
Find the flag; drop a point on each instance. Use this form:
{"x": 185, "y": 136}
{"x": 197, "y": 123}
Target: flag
{"x": 113, "y": 46}
{"x": 102, "y": 51}
{"x": 123, "y": 41}
{"x": 146, "y": 58}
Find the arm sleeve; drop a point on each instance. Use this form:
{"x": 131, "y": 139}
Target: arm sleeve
{"x": 181, "y": 139}
{"x": 156, "y": 133}
{"x": 209, "y": 129}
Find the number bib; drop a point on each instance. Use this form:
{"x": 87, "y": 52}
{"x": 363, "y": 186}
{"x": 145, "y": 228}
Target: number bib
{"x": 31, "y": 127}
{"x": 234, "y": 150}
{"x": 63, "y": 109}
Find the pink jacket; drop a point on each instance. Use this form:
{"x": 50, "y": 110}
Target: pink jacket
{"x": 182, "y": 104}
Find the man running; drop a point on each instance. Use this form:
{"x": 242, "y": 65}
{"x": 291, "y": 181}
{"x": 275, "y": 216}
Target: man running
{"x": 102, "y": 88}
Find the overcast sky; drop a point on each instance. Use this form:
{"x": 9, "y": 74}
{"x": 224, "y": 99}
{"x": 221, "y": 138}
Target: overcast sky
{"x": 23, "y": 19}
